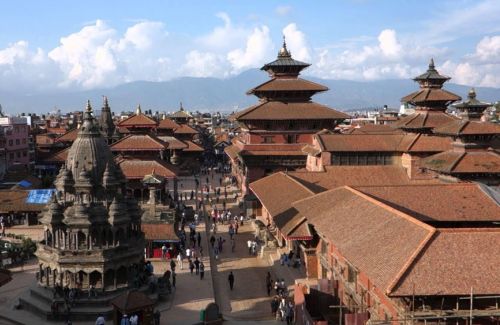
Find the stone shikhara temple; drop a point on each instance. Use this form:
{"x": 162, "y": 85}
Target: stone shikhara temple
{"x": 92, "y": 233}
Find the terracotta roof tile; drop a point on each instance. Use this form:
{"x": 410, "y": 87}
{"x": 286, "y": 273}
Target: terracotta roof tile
{"x": 15, "y": 201}
{"x": 361, "y": 142}
{"x": 69, "y": 136}
{"x": 163, "y": 231}
{"x": 191, "y": 146}
{"x": 277, "y": 110}
{"x": 429, "y": 143}
{"x": 438, "y": 202}
{"x": 288, "y": 84}
{"x": 453, "y": 162}
{"x": 465, "y": 127}
{"x": 376, "y": 129}
{"x": 430, "y": 95}
{"x": 378, "y": 240}
{"x": 167, "y": 124}
{"x": 336, "y": 176}
{"x": 136, "y": 169}
{"x": 138, "y": 142}
{"x": 424, "y": 119}
{"x": 173, "y": 142}
{"x": 137, "y": 121}
{"x": 58, "y": 157}
{"x": 185, "y": 129}
{"x": 453, "y": 262}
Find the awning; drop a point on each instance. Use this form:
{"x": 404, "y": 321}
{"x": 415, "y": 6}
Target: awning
{"x": 302, "y": 232}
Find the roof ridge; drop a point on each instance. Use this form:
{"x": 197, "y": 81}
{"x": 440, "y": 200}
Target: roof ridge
{"x": 409, "y": 218}
{"x": 122, "y": 139}
{"x": 250, "y": 109}
{"x": 417, "y": 136}
{"x": 134, "y": 115}
{"x": 300, "y": 184}
{"x": 455, "y": 163}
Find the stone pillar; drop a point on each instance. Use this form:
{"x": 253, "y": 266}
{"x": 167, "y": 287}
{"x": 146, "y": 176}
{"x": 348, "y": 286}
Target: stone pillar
{"x": 152, "y": 195}
{"x": 176, "y": 193}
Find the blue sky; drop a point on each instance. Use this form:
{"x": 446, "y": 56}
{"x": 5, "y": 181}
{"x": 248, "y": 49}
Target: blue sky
{"x": 87, "y": 44}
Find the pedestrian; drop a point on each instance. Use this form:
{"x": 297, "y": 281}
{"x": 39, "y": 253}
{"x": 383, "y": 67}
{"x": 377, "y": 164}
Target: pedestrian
{"x": 212, "y": 240}
{"x": 179, "y": 259}
{"x": 156, "y": 317}
{"x": 191, "y": 266}
{"x": 274, "y": 306}
{"x": 100, "y": 320}
{"x": 92, "y": 291}
{"x": 289, "y": 313}
{"x": 134, "y": 320}
{"x": 241, "y": 219}
{"x": 172, "y": 265}
{"x": 124, "y": 320}
{"x": 197, "y": 265}
{"x": 202, "y": 270}
{"x": 230, "y": 279}
{"x": 188, "y": 253}
{"x": 163, "y": 251}
{"x": 249, "y": 244}
{"x": 198, "y": 239}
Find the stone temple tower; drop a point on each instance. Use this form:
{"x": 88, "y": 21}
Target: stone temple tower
{"x": 92, "y": 233}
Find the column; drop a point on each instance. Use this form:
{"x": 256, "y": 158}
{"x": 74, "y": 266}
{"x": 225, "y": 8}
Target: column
{"x": 152, "y": 195}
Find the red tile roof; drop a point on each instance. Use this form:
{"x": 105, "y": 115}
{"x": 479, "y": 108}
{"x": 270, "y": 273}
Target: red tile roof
{"x": 191, "y": 146}
{"x": 376, "y": 129}
{"x": 58, "y": 157}
{"x": 69, "y": 136}
{"x": 277, "y": 110}
{"x": 288, "y": 84}
{"x": 163, "y": 231}
{"x": 138, "y": 142}
{"x": 137, "y": 121}
{"x": 378, "y": 240}
{"x": 167, "y": 124}
{"x": 424, "y": 119}
{"x": 430, "y": 95}
{"x": 455, "y": 262}
{"x": 465, "y": 127}
{"x": 15, "y": 201}
{"x": 173, "y": 143}
{"x": 185, "y": 129}
{"x": 336, "y": 176}
{"x": 137, "y": 169}
{"x": 438, "y": 202}
{"x": 455, "y": 162}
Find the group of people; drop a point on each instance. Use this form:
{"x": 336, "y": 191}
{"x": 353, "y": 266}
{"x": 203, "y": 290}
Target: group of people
{"x": 290, "y": 259}
{"x": 283, "y": 309}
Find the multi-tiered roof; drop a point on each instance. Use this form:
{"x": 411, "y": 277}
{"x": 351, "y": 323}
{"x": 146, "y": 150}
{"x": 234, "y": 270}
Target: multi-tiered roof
{"x": 286, "y": 96}
{"x": 430, "y": 101}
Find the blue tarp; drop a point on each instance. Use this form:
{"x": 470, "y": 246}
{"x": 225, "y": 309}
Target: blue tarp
{"x": 24, "y": 183}
{"x": 39, "y": 196}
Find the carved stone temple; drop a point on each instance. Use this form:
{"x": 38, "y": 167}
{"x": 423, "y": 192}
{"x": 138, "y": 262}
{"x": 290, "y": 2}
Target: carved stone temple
{"x": 92, "y": 232}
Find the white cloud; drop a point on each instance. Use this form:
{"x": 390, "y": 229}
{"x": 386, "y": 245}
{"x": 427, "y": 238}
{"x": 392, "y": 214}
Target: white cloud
{"x": 389, "y": 44}
{"x": 296, "y": 42}
{"x": 257, "y": 50}
{"x": 203, "y": 64}
{"x": 283, "y": 10}
{"x": 223, "y": 38}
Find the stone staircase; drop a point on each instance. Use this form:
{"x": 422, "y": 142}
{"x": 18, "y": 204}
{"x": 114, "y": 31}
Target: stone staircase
{"x": 38, "y": 300}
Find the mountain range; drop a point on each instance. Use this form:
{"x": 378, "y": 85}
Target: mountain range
{"x": 213, "y": 94}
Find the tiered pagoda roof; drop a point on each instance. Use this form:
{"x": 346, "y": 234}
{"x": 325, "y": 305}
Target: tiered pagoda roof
{"x": 285, "y": 96}
{"x": 471, "y": 109}
{"x": 431, "y": 102}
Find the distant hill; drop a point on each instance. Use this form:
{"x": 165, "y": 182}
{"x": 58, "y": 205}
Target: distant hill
{"x": 212, "y": 94}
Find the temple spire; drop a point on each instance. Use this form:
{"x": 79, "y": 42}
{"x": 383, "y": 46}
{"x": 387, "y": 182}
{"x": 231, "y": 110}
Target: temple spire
{"x": 472, "y": 94}
{"x": 431, "y": 65}
{"x": 138, "y": 110}
{"x": 181, "y": 108}
{"x": 284, "y": 52}
{"x": 105, "y": 105}
{"x": 88, "y": 112}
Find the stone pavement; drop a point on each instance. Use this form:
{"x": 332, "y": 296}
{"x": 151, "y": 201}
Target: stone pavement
{"x": 191, "y": 294}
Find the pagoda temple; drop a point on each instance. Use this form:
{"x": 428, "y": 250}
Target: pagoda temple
{"x": 430, "y": 101}
{"x": 471, "y": 109}
{"x": 106, "y": 123}
{"x": 274, "y": 130}
{"x": 92, "y": 231}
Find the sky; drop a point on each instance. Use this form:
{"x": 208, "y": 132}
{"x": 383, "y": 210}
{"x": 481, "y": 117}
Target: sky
{"x": 78, "y": 45}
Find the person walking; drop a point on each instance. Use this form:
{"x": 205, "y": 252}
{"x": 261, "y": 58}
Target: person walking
{"x": 172, "y": 265}
{"x": 249, "y": 244}
{"x": 163, "y": 251}
{"x": 124, "y": 320}
{"x": 100, "y": 320}
{"x": 197, "y": 265}
{"x": 230, "y": 279}
{"x": 191, "y": 266}
{"x": 134, "y": 320}
{"x": 290, "y": 313}
{"x": 202, "y": 270}
{"x": 179, "y": 259}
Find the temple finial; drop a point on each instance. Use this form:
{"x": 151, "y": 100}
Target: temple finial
{"x": 472, "y": 93}
{"x": 105, "y": 101}
{"x": 284, "y": 51}
{"x": 431, "y": 64}
{"x": 181, "y": 108}
{"x": 138, "y": 110}
{"x": 89, "y": 107}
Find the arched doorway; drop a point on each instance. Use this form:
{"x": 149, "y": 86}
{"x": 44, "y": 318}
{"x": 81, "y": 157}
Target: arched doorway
{"x": 95, "y": 279}
{"x": 121, "y": 276}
